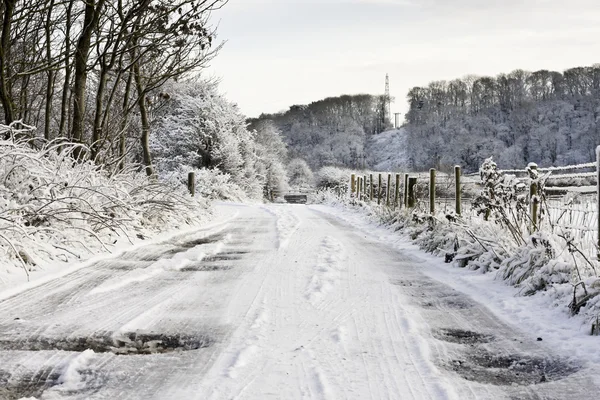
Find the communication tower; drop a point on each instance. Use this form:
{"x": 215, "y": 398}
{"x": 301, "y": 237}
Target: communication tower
{"x": 388, "y": 100}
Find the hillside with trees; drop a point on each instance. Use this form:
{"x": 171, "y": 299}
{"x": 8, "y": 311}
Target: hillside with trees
{"x": 547, "y": 117}
{"x": 331, "y": 131}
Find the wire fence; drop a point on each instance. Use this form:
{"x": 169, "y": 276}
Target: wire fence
{"x": 568, "y": 198}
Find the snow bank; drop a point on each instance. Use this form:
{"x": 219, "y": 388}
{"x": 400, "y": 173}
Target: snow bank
{"x": 55, "y": 210}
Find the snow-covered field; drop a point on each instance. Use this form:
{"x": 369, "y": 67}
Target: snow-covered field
{"x": 286, "y": 302}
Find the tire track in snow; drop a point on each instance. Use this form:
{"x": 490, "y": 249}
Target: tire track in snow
{"x": 179, "y": 261}
{"x": 287, "y": 223}
{"x": 327, "y": 275}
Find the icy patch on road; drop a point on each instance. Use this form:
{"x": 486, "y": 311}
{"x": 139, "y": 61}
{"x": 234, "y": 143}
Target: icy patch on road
{"x": 176, "y": 263}
{"x": 328, "y": 270}
{"x": 287, "y": 223}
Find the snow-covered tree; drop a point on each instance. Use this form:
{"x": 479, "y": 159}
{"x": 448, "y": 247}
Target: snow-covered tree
{"x": 546, "y": 117}
{"x": 300, "y": 175}
{"x": 199, "y": 128}
{"x": 331, "y": 131}
{"x": 272, "y": 153}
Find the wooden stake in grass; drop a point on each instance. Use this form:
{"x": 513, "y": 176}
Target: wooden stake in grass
{"x": 352, "y": 184}
{"x": 365, "y": 186}
{"x": 405, "y": 190}
{"x": 387, "y": 190}
{"x": 432, "y": 191}
{"x": 379, "y": 190}
{"x": 371, "y": 182}
{"x": 358, "y": 188}
{"x": 397, "y": 191}
{"x": 533, "y": 196}
{"x": 412, "y": 182}
{"x": 457, "y": 193}
{"x": 192, "y": 183}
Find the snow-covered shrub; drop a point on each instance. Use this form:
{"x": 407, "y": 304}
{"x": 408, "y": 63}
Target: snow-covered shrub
{"x": 210, "y": 183}
{"x": 53, "y": 208}
{"x": 502, "y": 200}
{"x": 300, "y": 175}
{"x": 333, "y": 178}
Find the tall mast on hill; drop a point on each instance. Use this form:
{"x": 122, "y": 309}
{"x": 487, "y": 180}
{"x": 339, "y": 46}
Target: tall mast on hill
{"x": 388, "y": 100}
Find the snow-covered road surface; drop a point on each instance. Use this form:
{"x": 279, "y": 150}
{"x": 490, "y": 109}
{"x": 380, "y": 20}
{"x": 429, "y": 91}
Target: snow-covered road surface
{"x": 282, "y": 302}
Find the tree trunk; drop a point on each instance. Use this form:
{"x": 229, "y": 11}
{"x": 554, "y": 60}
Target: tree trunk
{"x": 147, "y": 157}
{"x": 92, "y": 13}
{"x": 50, "y": 73}
{"x": 65, "y": 95}
{"x": 124, "y": 117}
{"x": 5, "y": 95}
{"x": 97, "y": 132}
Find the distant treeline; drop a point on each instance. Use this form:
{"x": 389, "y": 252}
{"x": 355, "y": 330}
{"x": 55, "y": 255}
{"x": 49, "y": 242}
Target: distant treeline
{"x": 330, "y": 131}
{"x": 547, "y": 117}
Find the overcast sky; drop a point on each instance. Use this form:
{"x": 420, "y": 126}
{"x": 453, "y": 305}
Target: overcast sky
{"x": 284, "y": 52}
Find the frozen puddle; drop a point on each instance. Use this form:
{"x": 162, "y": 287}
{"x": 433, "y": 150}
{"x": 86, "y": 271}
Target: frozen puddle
{"x": 485, "y": 367}
{"x": 123, "y": 344}
{"x": 461, "y": 336}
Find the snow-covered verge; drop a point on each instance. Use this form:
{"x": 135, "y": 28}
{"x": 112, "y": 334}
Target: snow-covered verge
{"x": 54, "y": 210}
{"x": 548, "y": 267}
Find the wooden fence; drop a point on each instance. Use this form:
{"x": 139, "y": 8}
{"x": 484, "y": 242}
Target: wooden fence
{"x": 570, "y": 204}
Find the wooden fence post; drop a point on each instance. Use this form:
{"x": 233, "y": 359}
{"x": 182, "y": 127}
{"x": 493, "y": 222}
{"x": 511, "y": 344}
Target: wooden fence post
{"x": 387, "y": 190}
{"x": 405, "y": 190}
{"x": 397, "y": 191}
{"x": 371, "y": 182}
{"x": 412, "y": 182}
{"x": 192, "y": 183}
{"x": 352, "y": 184}
{"x": 534, "y": 200}
{"x": 432, "y": 191}
{"x": 598, "y": 204}
{"x": 365, "y": 187}
{"x": 358, "y": 187}
{"x": 457, "y": 193}
{"x": 379, "y": 190}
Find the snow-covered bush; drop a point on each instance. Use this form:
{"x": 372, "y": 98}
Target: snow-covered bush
{"x": 53, "y": 208}
{"x": 211, "y": 184}
{"x": 333, "y": 178}
{"x": 502, "y": 200}
{"x": 300, "y": 175}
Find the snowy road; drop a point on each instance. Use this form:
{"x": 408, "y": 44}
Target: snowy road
{"x": 280, "y": 302}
